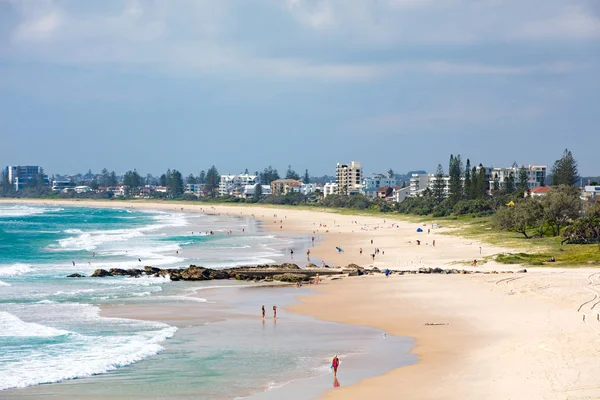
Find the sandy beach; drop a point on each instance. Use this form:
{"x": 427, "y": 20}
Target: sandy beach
{"x": 492, "y": 336}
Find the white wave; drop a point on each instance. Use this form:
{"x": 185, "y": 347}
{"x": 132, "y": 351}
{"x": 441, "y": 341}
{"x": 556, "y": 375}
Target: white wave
{"x": 13, "y": 326}
{"x": 106, "y": 354}
{"x": 46, "y": 302}
{"x": 83, "y": 355}
{"x": 25, "y": 210}
{"x": 4, "y": 284}
{"x": 179, "y": 298}
{"x": 14, "y": 269}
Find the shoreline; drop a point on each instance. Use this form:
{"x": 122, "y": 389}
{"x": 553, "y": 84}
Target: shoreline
{"x": 523, "y": 336}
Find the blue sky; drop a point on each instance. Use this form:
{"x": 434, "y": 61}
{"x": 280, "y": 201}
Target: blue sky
{"x": 244, "y": 84}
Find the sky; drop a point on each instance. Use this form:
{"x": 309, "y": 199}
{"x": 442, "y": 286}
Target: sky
{"x": 399, "y": 84}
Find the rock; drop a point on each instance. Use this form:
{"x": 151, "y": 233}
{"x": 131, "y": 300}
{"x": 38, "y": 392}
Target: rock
{"x": 352, "y": 266}
{"x": 135, "y": 272}
{"x": 292, "y": 278}
{"x": 425, "y": 270}
{"x": 311, "y": 266}
{"x": 194, "y": 273}
{"x": 75, "y": 276}
{"x": 100, "y": 273}
{"x": 521, "y": 271}
{"x": 437, "y": 271}
{"x": 151, "y": 270}
{"x": 288, "y": 266}
{"x": 375, "y": 269}
{"x": 118, "y": 271}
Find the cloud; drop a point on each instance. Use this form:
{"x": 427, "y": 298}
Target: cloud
{"x": 329, "y": 40}
{"x": 576, "y": 22}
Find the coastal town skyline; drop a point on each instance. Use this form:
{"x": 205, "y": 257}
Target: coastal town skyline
{"x": 154, "y": 85}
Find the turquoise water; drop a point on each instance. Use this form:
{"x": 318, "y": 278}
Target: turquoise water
{"x": 51, "y": 330}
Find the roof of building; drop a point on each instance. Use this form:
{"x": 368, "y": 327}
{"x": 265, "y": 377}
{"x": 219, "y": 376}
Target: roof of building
{"x": 383, "y": 189}
{"x": 293, "y": 182}
{"x": 541, "y": 189}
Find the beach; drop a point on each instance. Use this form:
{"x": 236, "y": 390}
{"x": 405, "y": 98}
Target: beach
{"x": 530, "y": 335}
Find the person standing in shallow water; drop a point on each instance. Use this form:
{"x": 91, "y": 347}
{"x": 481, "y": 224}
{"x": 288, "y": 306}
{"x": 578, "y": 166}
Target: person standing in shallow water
{"x": 263, "y": 312}
{"x": 335, "y": 363}
{"x": 274, "y": 311}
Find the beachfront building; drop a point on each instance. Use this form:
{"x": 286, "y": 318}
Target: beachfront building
{"x": 418, "y": 183}
{"x": 249, "y": 191}
{"x": 371, "y": 184}
{"x": 348, "y": 178}
{"x": 591, "y": 193}
{"x": 536, "y": 176}
{"x": 59, "y": 186}
{"x": 308, "y": 188}
{"x": 22, "y": 175}
{"x": 400, "y": 193}
{"x": 235, "y": 184}
{"x": 285, "y": 186}
{"x": 330, "y": 188}
{"x": 539, "y": 191}
{"x": 82, "y": 189}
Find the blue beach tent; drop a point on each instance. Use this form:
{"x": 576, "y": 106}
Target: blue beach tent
{"x": 419, "y": 230}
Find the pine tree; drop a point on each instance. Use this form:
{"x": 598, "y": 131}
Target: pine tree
{"x": 306, "y": 177}
{"x": 523, "y": 184}
{"x": 257, "y": 193}
{"x": 509, "y": 183}
{"x": 474, "y": 183}
{"x": 391, "y": 173}
{"x": 212, "y": 181}
{"x": 191, "y": 179}
{"x": 291, "y": 174}
{"x": 439, "y": 184}
{"x": 564, "y": 171}
{"x": 482, "y": 184}
{"x": 455, "y": 188}
{"x": 467, "y": 183}
{"x": 112, "y": 181}
{"x": 175, "y": 184}
{"x": 496, "y": 183}
{"x": 202, "y": 177}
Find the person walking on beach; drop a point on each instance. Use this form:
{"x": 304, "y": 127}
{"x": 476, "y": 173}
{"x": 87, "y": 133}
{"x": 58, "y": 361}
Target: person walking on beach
{"x": 335, "y": 363}
{"x": 317, "y": 279}
{"x": 387, "y": 273}
{"x": 263, "y": 312}
{"x": 275, "y": 312}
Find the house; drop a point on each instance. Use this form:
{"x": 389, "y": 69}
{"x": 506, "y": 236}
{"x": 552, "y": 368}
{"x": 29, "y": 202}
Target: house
{"x": 539, "y": 191}
{"x": 591, "y": 192}
{"x": 400, "y": 194}
{"x": 371, "y": 184}
{"x": 285, "y": 186}
{"x": 384, "y": 191}
{"x": 249, "y": 190}
{"x": 59, "y": 186}
{"x": 82, "y": 189}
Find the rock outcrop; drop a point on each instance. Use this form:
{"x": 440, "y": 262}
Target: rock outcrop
{"x": 75, "y": 276}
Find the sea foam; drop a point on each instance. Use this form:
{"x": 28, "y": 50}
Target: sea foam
{"x": 14, "y": 269}
{"x": 14, "y": 327}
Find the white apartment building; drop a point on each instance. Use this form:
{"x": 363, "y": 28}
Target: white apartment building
{"x": 371, "y": 184}
{"x": 236, "y": 183}
{"x": 330, "y": 188}
{"x": 349, "y": 178}
{"x": 418, "y": 183}
{"x": 308, "y": 188}
{"x": 400, "y": 194}
{"x": 536, "y": 175}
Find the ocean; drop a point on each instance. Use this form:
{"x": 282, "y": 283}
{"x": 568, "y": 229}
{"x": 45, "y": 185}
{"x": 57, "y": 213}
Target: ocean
{"x": 180, "y": 339}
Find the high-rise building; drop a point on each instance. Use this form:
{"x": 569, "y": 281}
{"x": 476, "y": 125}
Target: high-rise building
{"x": 22, "y": 175}
{"x": 349, "y": 178}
